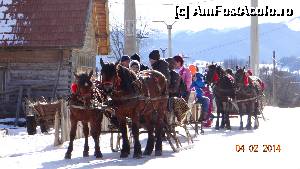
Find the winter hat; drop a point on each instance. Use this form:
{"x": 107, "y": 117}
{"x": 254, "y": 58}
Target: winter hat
{"x": 171, "y": 62}
{"x": 136, "y": 57}
{"x": 154, "y": 55}
{"x": 125, "y": 58}
{"x": 134, "y": 62}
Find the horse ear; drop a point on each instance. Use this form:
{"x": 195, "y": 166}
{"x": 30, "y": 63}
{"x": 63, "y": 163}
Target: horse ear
{"x": 101, "y": 62}
{"x": 91, "y": 73}
{"x": 244, "y": 68}
{"x": 76, "y": 76}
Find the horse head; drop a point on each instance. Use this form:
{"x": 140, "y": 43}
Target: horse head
{"x": 84, "y": 86}
{"x": 240, "y": 77}
{"x": 213, "y": 74}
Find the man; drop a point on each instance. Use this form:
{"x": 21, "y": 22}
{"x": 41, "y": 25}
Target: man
{"x": 185, "y": 74}
{"x": 174, "y": 79}
{"x": 138, "y": 58}
{"x": 125, "y": 61}
{"x": 159, "y": 64}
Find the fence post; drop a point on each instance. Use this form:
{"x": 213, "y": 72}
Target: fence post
{"x": 19, "y": 105}
{"x": 57, "y": 140}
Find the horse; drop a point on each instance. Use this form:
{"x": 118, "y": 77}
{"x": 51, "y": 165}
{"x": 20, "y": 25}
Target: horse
{"x": 143, "y": 98}
{"x": 248, "y": 91}
{"x": 223, "y": 89}
{"x": 81, "y": 110}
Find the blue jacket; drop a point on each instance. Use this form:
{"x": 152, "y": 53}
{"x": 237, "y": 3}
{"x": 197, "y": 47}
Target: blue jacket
{"x": 198, "y": 84}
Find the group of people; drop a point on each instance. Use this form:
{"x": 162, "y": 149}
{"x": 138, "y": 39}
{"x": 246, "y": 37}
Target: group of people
{"x": 180, "y": 79}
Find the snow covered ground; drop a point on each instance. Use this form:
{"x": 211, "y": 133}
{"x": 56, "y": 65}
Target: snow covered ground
{"x": 214, "y": 149}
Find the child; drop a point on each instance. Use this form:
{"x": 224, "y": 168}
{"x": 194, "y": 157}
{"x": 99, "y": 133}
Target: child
{"x": 198, "y": 84}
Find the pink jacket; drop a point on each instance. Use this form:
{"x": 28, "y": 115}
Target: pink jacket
{"x": 186, "y": 75}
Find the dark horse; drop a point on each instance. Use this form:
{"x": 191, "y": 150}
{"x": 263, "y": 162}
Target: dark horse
{"x": 81, "y": 110}
{"x": 223, "y": 89}
{"x": 248, "y": 91}
{"x": 142, "y": 98}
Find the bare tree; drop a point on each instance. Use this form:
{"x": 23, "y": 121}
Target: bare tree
{"x": 117, "y": 36}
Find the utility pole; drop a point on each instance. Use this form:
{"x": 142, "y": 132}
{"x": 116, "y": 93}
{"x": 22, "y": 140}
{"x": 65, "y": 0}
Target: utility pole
{"x": 130, "y": 27}
{"x": 254, "y": 63}
{"x": 169, "y": 27}
{"x": 274, "y": 81}
{"x": 163, "y": 51}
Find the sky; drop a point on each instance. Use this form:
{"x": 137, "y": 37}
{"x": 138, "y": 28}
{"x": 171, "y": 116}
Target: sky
{"x": 165, "y": 10}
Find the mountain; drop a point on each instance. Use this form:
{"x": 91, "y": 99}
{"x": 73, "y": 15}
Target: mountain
{"x": 216, "y": 45}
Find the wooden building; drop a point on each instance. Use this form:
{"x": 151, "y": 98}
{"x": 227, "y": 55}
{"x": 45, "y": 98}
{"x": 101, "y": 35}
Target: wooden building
{"x": 42, "y": 42}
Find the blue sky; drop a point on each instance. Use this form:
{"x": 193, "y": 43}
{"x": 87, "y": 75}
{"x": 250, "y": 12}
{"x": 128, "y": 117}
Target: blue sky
{"x": 150, "y": 10}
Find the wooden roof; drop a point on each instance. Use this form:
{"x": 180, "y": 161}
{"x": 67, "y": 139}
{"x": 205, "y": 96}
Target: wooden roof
{"x": 48, "y": 23}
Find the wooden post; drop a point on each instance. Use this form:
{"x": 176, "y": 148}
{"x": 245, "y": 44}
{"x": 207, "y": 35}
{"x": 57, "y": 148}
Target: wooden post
{"x": 19, "y": 105}
{"x": 57, "y": 140}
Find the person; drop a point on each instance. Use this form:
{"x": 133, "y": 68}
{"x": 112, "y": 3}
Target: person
{"x": 138, "y": 58}
{"x": 159, "y": 64}
{"x": 208, "y": 93}
{"x": 134, "y": 66}
{"x": 198, "y": 84}
{"x": 174, "y": 79}
{"x": 185, "y": 74}
{"x": 125, "y": 61}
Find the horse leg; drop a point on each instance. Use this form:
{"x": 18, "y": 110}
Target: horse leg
{"x": 219, "y": 107}
{"x": 249, "y": 109}
{"x": 224, "y": 115}
{"x": 227, "y": 111}
{"x": 72, "y": 137}
{"x": 150, "y": 142}
{"x": 158, "y": 143}
{"x": 86, "y": 135}
{"x": 241, "y": 116}
{"x": 125, "y": 151}
{"x": 256, "y": 123}
{"x": 137, "y": 153}
{"x": 95, "y": 132}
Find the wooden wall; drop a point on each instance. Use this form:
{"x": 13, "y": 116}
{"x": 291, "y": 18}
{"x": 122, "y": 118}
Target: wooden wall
{"x": 37, "y": 72}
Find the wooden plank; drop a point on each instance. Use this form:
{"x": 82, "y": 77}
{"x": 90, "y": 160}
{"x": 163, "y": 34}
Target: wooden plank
{"x": 19, "y": 105}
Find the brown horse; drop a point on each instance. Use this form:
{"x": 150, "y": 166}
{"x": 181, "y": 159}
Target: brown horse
{"x": 223, "y": 89}
{"x": 248, "y": 93}
{"x": 142, "y": 98}
{"x": 81, "y": 110}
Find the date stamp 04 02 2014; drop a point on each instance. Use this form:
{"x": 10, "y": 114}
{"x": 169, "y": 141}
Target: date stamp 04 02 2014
{"x": 258, "y": 148}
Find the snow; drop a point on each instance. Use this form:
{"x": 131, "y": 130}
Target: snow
{"x": 214, "y": 149}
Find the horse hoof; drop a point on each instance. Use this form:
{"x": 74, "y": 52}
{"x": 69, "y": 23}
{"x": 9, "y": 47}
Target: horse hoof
{"x": 249, "y": 127}
{"x": 255, "y": 127}
{"x": 241, "y": 128}
{"x": 228, "y": 127}
{"x": 85, "y": 154}
{"x": 202, "y": 132}
{"x": 124, "y": 155}
{"x": 147, "y": 153}
{"x": 158, "y": 153}
{"x": 137, "y": 155}
{"x": 98, "y": 155}
{"x": 217, "y": 128}
{"x": 67, "y": 156}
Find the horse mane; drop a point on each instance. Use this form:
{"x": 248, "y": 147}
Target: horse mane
{"x": 127, "y": 76}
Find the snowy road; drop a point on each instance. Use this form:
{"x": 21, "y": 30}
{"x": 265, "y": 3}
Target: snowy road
{"x": 213, "y": 150}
